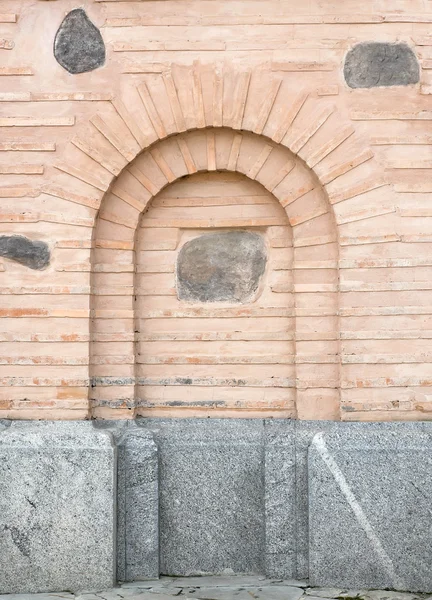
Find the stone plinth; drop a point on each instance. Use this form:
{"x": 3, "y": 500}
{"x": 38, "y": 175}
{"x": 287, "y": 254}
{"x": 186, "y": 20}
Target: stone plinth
{"x": 57, "y": 507}
{"x": 211, "y": 494}
{"x": 369, "y": 507}
{"x": 137, "y": 505}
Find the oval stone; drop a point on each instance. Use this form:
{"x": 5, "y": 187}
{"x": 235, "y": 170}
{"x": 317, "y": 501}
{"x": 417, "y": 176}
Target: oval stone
{"x": 32, "y": 254}
{"x": 221, "y": 267}
{"x": 375, "y": 64}
{"x": 78, "y": 45}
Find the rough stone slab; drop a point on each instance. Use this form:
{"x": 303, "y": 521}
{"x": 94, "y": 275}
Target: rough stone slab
{"x": 34, "y": 254}
{"x": 211, "y": 495}
{"x": 374, "y": 64}
{"x": 221, "y": 267}
{"x": 57, "y": 596}
{"x": 280, "y": 512}
{"x": 78, "y": 45}
{"x": 370, "y": 487}
{"x": 57, "y": 521}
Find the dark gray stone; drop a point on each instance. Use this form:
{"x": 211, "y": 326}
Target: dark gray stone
{"x": 370, "y": 520}
{"x": 78, "y": 45}
{"x": 280, "y": 489}
{"x": 375, "y": 64}
{"x": 57, "y": 520}
{"x": 211, "y": 495}
{"x": 32, "y": 254}
{"x": 137, "y": 506}
{"x": 221, "y": 267}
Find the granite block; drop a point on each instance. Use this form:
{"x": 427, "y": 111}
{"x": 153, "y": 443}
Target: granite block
{"x": 137, "y": 506}
{"x": 369, "y": 507}
{"x": 211, "y": 495}
{"x": 57, "y": 517}
{"x": 280, "y": 495}
{"x": 304, "y": 434}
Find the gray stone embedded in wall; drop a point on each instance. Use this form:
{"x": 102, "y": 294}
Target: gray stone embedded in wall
{"x": 370, "y": 523}
{"x": 374, "y": 64}
{"x": 30, "y": 253}
{"x": 211, "y": 494}
{"x": 221, "y": 267}
{"x": 57, "y": 498}
{"x": 78, "y": 45}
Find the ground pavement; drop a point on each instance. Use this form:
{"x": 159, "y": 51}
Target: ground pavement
{"x": 222, "y": 588}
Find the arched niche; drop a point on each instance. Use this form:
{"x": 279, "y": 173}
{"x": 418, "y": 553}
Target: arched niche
{"x": 308, "y": 296}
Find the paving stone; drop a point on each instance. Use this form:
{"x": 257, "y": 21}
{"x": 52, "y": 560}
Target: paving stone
{"x": 238, "y": 593}
{"x": 324, "y": 592}
{"x": 374, "y": 64}
{"x": 166, "y": 588}
{"x": 386, "y": 595}
{"x": 172, "y": 591}
{"x": 33, "y": 254}
{"x": 114, "y": 594}
{"x": 78, "y": 44}
{"x": 221, "y": 267}
{"x": 221, "y": 588}
{"x": 134, "y": 594}
{"x": 221, "y": 581}
{"x": 56, "y": 596}
{"x": 291, "y": 582}
{"x": 148, "y": 595}
{"x": 148, "y": 583}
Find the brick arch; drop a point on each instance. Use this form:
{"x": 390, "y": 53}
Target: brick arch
{"x": 297, "y": 189}
{"x": 307, "y": 122}
{"x": 164, "y": 107}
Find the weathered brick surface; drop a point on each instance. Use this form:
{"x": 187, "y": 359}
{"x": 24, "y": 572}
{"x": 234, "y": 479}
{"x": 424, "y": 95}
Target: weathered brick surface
{"x": 212, "y": 116}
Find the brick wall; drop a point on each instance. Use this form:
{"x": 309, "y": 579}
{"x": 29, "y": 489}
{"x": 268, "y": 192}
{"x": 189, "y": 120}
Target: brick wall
{"x": 188, "y": 118}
